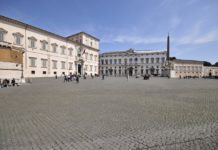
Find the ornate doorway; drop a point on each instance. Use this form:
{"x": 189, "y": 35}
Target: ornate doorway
{"x": 79, "y": 69}
{"x": 130, "y": 71}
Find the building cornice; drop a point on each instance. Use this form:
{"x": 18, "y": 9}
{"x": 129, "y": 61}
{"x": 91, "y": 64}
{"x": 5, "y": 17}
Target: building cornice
{"x": 28, "y": 26}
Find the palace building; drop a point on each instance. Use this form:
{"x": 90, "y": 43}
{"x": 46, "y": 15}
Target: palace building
{"x": 132, "y": 62}
{"x": 186, "y": 68}
{"x": 28, "y": 51}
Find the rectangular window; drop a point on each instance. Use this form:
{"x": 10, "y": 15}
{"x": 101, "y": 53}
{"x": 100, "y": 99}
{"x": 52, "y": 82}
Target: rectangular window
{"x": 54, "y": 49}
{"x": 147, "y": 60}
{"x": 115, "y": 61}
{"x": 54, "y": 64}
{"x": 157, "y": 60}
{"x": 18, "y": 40}
{"x": 62, "y": 50}
{"x": 43, "y": 45}
{"x": 1, "y": 36}
{"x": 110, "y": 61}
{"x": 90, "y": 67}
{"x": 43, "y": 72}
{"x": 142, "y": 60}
{"x": 70, "y": 66}
{"x": 102, "y": 62}
{"x": 70, "y": 52}
{"x": 119, "y": 61}
{"x": 62, "y": 65}
{"x": 32, "y": 61}
{"x": 44, "y": 63}
{"x": 91, "y": 55}
{"x": 32, "y": 43}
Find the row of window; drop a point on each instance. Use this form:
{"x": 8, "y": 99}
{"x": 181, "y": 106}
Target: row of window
{"x": 90, "y": 68}
{"x": 18, "y": 37}
{"x": 44, "y": 63}
{"x": 90, "y": 57}
{"x": 147, "y": 67}
{"x": 188, "y": 68}
{"x": 131, "y": 60}
{"x": 119, "y": 72}
{"x": 188, "y": 72}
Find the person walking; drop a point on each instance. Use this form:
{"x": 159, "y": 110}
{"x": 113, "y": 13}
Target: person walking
{"x": 77, "y": 79}
{"x": 102, "y": 76}
{"x": 127, "y": 77}
{"x": 13, "y": 82}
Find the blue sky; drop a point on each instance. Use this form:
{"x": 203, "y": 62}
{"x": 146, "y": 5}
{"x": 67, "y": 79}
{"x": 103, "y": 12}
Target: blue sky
{"x": 124, "y": 24}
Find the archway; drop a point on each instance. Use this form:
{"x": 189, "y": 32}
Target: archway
{"x": 130, "y": 71}
{"x": 79, "y": 69}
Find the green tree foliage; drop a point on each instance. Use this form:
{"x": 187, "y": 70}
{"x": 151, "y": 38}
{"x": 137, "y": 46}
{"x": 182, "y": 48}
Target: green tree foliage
{"x": 206, "y": 63}
{"x": 216, "y": 64}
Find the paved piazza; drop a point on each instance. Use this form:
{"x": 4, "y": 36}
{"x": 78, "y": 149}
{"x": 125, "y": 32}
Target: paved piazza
{"x": 110, "y": 114}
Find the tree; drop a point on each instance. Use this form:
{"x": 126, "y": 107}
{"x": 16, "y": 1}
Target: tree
{"x": 216, "y": 64}
{"x": 206, "y": 63}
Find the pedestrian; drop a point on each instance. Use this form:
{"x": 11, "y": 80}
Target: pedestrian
{"x": 56, "y": 76}
{"x": 13, "y": 82}
{"x": 4, "y": 83}
{"x": 102, "y": 76}
{"x": 65, "y": 78}
{"x": 92, "y": 76}
{"x": 77, "y": 79}
{"x": 127, "y": 77}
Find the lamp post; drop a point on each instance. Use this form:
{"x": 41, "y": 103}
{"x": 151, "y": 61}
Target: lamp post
{"x": 22, "y": 76}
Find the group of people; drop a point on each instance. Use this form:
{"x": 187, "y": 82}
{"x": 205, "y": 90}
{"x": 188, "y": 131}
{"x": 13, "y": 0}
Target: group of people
{"x": 74, "y": 77}
{"x": 6, "y": 83}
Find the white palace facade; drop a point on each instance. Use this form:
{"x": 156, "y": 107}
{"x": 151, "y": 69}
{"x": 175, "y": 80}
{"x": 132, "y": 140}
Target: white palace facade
{"x": 28, "y": 51}
{"x": 132, "y": 62}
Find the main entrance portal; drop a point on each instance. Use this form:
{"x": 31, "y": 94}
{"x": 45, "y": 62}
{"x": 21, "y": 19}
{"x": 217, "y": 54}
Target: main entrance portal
{"x": 130, "y": 71}
{"x": 79, "y": 69}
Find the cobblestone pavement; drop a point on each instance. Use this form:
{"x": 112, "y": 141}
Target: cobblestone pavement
{"x": 110, "y": 114}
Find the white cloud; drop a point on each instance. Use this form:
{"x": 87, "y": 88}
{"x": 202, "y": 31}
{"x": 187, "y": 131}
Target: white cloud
{"x": 133, "y": 39}
{"x": 199, "y": 38}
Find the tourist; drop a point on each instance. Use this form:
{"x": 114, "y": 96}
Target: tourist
{"x": 77, "y": 79}
{"x": 102, "y": 76}
{"x": 13, "y": 82}
{"x": 65, "y": 78}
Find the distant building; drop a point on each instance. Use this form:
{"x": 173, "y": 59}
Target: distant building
{"x": 43, "y": 53}
{"x": 186, "y": 68}
{"x": 132, "y": 62}
{"x": 210, "y": 71}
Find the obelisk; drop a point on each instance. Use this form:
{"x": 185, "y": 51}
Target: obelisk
{"x": 168, "y": 47}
